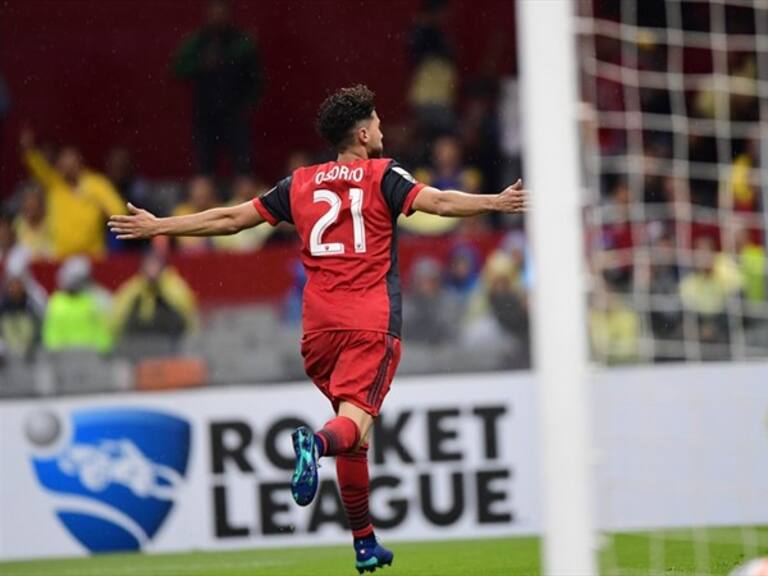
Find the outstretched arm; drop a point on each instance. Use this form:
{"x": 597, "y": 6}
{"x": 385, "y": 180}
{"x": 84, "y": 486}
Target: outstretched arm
{"x": 36, "y": 163}
{"x": 512, "y": 200}
{"x": 214, "y": 222}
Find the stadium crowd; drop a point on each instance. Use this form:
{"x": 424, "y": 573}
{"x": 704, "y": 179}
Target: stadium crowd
{"x": 460, "y": 310}
{"x": 678, "y": 262}
{"x": 677, "y": 236}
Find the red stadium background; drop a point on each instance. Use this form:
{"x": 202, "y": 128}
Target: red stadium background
{"x": 96, "y": 73}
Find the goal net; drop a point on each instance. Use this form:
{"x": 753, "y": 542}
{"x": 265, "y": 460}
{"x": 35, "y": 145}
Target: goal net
{"x": 673, "y": 134}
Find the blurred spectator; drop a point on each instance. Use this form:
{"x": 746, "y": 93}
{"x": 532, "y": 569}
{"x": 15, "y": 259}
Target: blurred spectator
{"x": 676, "y": 219}
{"x": 78, "y": 312}
{"x": 7, "y": 235}
{"x": 78, "y": 201}
{"x": 293, "y": 301}
{"x": 498, "y": 311}
{"x": 705, "y": 292}
{"x": 223, "y": 64}
{"x": 463, "y": 272}
{"x": 515, "y": 245}
{"x": 480, "y": 125}
{"x": 5, "y": 107}
{"x": 751, "y": 257}
{"x": 733, "y": 98}
{"x": 245, "y": 189}
{"x": 17, "y": 265}
{"x": 658, "y": 275}
{"x": 201, "y": 195}
{"x": 430, "y": 313}
{"x": 118, "y": 166}
{"x": 446, "y": 172}
{"x": 31, "y": 225}
{"x": 156, "y": 302}
{"x": 739, "y": 192}
{"x": 433, "y": 79}
{"x": 614, "y": 329}
{"x": 511, "y": 130}
{"x": 615, "y": 258}
{"x": 22, "y": 307}
{"x": 121, "y": 172}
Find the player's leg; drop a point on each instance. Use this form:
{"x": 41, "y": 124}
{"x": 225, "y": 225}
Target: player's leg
{"x": 359, "y": 382}
{"x": 354, "y": 486}
{"x": 363, "y": 378}
{"x": 338, "y": 436}
{"x": 320, "y": 355}
{"x": 345, "y": 432}
{"x": 339, "y": 360}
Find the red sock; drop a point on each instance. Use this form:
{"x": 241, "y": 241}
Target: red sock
{"x": 338, "y": 436}
{"x": 354, "y": 484}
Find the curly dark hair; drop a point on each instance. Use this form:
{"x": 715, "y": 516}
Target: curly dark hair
{"x": 340, "y": 112}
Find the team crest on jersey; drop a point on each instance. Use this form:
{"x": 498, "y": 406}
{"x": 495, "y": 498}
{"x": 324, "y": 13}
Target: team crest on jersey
{"x": 113, "y": 474}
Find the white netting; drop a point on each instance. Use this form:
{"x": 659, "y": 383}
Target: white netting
{"x": 676, "y": 102}
{"x": 675, "y": 136}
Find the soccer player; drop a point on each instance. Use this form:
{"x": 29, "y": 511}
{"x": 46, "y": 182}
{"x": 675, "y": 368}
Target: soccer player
{"x": 345, "y": 213}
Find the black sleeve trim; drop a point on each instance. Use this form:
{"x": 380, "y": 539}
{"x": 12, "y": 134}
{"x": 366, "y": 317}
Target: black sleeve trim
{"x": 278, "y": 200}
{"x": 396, "y": 184}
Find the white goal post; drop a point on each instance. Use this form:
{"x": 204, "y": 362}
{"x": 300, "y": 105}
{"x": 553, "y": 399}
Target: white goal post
{"x": 547, "y": 56}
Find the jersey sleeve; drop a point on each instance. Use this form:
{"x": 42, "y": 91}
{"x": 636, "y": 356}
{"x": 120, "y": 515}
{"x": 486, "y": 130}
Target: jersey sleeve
{"x": 275, "y": 204}
{"x": 399, "y": 189}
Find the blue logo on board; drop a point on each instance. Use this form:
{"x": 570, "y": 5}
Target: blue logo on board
{"x": 113, "y": 473}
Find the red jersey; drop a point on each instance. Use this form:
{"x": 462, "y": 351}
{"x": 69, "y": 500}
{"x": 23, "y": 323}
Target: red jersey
{"x": 346, "y": 217}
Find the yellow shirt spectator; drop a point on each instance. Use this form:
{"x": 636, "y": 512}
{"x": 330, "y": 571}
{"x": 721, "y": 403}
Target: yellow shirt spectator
{"x": 743, "y": 194}
{"x": 138, "y": 302}
{"x": 702, "y": 293}
{"x": 615, "y": 332}
{"x": 76, "y": 214}
{"x": 752, "y": 260}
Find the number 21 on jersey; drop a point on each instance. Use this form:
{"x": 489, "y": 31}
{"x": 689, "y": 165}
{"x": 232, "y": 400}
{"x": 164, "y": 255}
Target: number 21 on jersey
{"x": 316, "y": 245}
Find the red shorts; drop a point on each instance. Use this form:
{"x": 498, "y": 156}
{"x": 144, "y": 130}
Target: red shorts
{"x": 355, "y": 366}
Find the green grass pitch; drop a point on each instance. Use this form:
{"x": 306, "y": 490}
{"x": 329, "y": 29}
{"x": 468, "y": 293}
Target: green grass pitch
{"x": 629, "y": 554}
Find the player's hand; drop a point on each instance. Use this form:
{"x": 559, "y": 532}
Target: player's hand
{"x": 513, "y": 199}
{"x": 137, "y": 225}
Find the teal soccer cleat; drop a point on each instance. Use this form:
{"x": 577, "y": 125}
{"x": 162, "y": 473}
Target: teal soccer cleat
{"x": 369, "y": 558}
{"x": 304, "y": 481}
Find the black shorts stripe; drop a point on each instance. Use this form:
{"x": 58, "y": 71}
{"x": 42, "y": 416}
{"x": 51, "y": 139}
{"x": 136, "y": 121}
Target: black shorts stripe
{"x": 381, "y": 374}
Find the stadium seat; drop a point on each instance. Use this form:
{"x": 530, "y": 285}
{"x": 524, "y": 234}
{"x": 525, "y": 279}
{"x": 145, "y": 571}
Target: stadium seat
{"x": 258, "y": 366}
{"x": 136, "y": 349}
{"x": 18, "y": 379}
{"x": 169, "y": 373}
{"x": 84, "y": 371}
